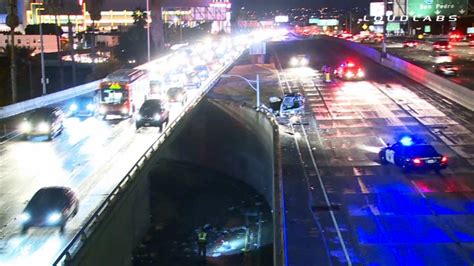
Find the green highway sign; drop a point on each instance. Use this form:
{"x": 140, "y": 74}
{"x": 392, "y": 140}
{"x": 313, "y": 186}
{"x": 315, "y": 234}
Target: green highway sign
{"x": 324, "y": 22}
{"x": 393, "y": 26}
{"x": 432, "y": 8}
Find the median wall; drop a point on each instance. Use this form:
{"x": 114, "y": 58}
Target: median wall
{"x": 455, "y": 92}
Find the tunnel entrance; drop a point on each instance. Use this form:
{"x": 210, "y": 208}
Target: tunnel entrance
{"x": 186, "y": 197}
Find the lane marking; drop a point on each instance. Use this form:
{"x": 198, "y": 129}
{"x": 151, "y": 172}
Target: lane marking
{"x": 362, "y": 186}
{"x": 418, "y": 189}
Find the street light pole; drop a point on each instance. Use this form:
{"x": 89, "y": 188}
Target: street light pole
{"x": 43, "y": 74}
{"x": 256, "y": 81}
{"x": 384, "y": 44}
{"x": 148, "y": 28}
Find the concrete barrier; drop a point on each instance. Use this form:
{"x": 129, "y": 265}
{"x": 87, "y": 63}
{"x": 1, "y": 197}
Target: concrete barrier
{"x": 57, "y": 97}
{"x": 239, "y": 142}
{"x": 438, "y": 84}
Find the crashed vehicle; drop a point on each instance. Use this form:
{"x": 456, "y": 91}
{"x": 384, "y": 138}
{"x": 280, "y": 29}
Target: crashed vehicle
{"x": 290, "y": 104}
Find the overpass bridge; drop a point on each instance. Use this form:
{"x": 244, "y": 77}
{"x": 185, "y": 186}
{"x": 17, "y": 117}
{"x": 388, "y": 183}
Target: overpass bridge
{"x": 107, "y": 164}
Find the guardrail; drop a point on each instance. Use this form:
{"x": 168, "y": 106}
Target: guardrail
{"x": 60, "y": 96}
{"x": 438, "y": 84}
{"x": 88, "y": 228}
{"x": 28, "y": 105}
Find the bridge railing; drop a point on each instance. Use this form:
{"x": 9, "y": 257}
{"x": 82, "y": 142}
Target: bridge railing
{"x": 88, "y": 228}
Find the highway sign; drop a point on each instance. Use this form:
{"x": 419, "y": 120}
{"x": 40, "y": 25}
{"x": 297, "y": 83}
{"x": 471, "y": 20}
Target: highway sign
{"x": 432, "y": 8}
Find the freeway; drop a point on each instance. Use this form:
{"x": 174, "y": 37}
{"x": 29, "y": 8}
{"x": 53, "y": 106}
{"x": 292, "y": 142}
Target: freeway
{"x": 91, "y": 156}
{"x": 344, "y": 207}
{"x": 461, "y": 54}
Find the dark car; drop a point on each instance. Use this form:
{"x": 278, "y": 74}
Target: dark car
{"x": 410, "y": 155}
{"x": 177, "y": 95}
{"x": 46, "y": 121}
{"x": 446, "y": 69}
{"x": 50, "y": 207}
{"x": 153, "y": 113}
{"x": 349, "y": 71}
{"x": 441, "y": 46}
{"x": 84, "y": 106}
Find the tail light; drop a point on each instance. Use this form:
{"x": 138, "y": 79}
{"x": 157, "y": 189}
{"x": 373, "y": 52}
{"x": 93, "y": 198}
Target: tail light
{"x": 416, "y": 161}
{"x": 449, "y": 46}
{"x": 455, "y": 68}
{"x": 436, "y": 46}
{"x": 444, "y": 159}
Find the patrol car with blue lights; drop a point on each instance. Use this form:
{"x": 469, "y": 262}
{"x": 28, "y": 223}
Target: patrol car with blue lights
{"x": 410, "y": 154}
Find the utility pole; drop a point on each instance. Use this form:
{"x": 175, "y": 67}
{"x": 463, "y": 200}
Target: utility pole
{"x": 12, "y": 22}
{"x": 71, "y": 50}
{"x": 43, "y": 74}
{"x": 384, "y": 43}
{"x": 148, "y": 28}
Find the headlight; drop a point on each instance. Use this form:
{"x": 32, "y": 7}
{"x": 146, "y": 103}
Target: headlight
{"x": 304, "y": 61}
{"x": 54, "y": 217}
{"x": 102, "y": 110}
{"x": 124, "y": 110}
{"x": 25, "y": 127}
{"x": 90, "y": 107}
{"x": 179, "y": 97}
{"x": 294, "y": 61}
{"x": 349, "y": 74}
{"x": 43, "y": 127}
{"x": 360, "y": 74}
{"x": 138, "y": 117}
{"x": 24, "y": 217}
{"x": 73, "y": 107}
{"x": 157, "y": 117}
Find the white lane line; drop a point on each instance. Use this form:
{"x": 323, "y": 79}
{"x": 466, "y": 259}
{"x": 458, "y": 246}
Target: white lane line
{"x": 418, "y": 189}
{"x": 362, "y": 186}
{"x": 326, "y": 198}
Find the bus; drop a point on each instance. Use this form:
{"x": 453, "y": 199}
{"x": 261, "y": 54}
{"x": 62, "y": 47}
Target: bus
{"x": 123, "y": 92}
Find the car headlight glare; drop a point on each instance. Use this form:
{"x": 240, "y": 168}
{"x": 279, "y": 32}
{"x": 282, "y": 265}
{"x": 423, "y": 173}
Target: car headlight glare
{"x": 25, "y": 127}
{"x": 157, "y": 117}
{"x": 54, "y": 217}
{"x": 360, "y": 74}
{"x": 138, "y": 117}
{"x": 24, "y": 217}
{"x": 73, "y": 107}
{"x": 124, "y": 110}
{"x": 102, "y": 110}
{"x": 294, "y": 61}
{"x": 90, "y": 107}
{"x": 304, "y": 62}
{"x": 349, "y": 74}
{"x": 43, "y": 127}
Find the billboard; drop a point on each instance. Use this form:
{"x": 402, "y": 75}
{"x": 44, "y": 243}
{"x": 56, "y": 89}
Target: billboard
{"x": 281, "y": 19}
{"x": 432, "y": 8}
{"x": 376, "y": 9}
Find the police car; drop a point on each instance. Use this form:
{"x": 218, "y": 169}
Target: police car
{"x": 411, "y": 154}
{"x": 349, "y": 71}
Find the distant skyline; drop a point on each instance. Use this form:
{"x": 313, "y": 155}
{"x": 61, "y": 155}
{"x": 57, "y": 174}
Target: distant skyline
{"x": 284, "y": 4}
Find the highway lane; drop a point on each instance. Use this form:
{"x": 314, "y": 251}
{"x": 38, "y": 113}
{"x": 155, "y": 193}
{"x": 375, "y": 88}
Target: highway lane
{"x": 91, "y": 156}
{"x": 462, "y": 56}
{"x": 381, "y": 215}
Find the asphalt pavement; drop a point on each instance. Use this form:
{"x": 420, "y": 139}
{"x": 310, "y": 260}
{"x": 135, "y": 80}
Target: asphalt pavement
{"x": 344, "y": 207}
{"x": 462, "y": 56}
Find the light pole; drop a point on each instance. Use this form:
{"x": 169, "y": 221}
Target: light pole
{"x": 43, "y": 74}
{"x": 148, "y": 28}
{"x": 257, "y": 82}
{"x": 384, "y": 44}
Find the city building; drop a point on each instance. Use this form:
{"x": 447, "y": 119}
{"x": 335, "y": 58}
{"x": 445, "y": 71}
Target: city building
{"x": 31, "y": 41}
